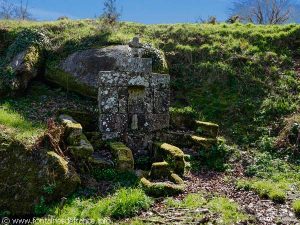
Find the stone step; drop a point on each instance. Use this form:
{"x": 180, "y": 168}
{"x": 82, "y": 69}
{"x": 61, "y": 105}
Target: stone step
{"x": 123, "y": 156}
{"x": 207, "y": 129}
{"x": 173, "y": 155}
{"x": 160, "y": 170}
{"x": 204, "y": 141}
{"x": 187, "y": 140}
{"x": 100, "y": 162}
{"x": 173, "y": 186}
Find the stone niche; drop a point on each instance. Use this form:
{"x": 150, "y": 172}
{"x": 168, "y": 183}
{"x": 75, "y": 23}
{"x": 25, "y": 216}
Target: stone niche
{"x": 133, "y": 101}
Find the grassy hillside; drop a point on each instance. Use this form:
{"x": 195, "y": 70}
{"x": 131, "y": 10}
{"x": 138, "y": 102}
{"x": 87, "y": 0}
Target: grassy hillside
{"x": 240, "y": 76}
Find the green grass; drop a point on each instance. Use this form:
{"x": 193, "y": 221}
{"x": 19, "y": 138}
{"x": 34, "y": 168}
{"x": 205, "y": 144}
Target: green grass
{"x": 296, "y": 207}
{"x": 191, "y": 201}
{"x": 21, "y": 128}
{"x": 271, "y": 176}
{"x": 275, "y": 191}
{"x": 228, "y": 210}
{"x": 122, "y": 204}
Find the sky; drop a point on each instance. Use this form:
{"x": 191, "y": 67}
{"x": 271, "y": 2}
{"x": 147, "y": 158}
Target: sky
{"x": 142, "y": 11}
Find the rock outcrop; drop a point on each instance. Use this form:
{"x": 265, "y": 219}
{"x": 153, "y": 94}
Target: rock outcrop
{"x": 21, "y": 70}
{"x": 79, "y": 71}
{"x": 30, "y": 177}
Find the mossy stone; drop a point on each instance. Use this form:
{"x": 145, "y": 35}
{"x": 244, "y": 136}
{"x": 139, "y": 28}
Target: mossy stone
{"x": 123, "y": 155}
{"x": 27, "y": 175}
{"x": 171, "y": 154}
{"x": 70, "y": 125}
{"x": 161, "y": 189}
{"x": 160, "y": 170}
{"x": 207, "y": 129}
{"x": 67, "y": 81}
{"x": 204, "y": 142}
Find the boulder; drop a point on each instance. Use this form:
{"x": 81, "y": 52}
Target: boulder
{"x": 30, "y": 177}
{"x": 79, "y": 71}
{"x": 25, "y": 67}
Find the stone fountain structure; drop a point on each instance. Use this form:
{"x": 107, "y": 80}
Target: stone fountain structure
{"x": 133, "y": 101}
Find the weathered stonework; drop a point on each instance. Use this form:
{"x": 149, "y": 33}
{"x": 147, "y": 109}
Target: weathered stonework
{"x": 133, "y": 101}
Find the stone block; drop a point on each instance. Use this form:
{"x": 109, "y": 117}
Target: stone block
{"x": 123, "y": 155}
{"x": 123, "y": 99}
{"x": 139, "y": 143}
{"x": 108, "y": 100}
{"x": 158, "y": 121}
{"x": 113, "y": 123}
{"x": 70, "y": 125}
{"x": 135, "y": 65}
{"x": 136, "y": 99}
{"x": 160, "y": 81}
{"x": 138, "y": 80}
{"x": 112, "y": 79}
{"x": 161, "y": 100}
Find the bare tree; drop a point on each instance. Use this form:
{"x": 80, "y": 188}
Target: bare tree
{"x": 264, "y": 11}
{"x": 110, "y": 12}
{"x": 23, "y": 12}
{"x": 14, "y": 11}
{"x": 7, "y": 10}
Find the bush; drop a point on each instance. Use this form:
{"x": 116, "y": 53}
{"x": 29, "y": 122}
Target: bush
{"x": 215, "y": 158}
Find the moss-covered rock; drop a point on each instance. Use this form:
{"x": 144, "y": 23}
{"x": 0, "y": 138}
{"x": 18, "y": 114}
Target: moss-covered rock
{"x": 172, "y": 155}
{"x": 207, "y": 129}
{"x": 204, "y": 142}
{"x": 28, "y": 176}
{"x": 183, "y": 118}
{"x": 77, "y": 142}
{"x": 123, "y": 156}
{"x": 70, "y": 125}
{"x": 87, "y": 119}
{"x": 66, "y": 80}
{"x": 21, "y": 70}
{"x": 161, "y": 189}
{"x": 160, "y": 170}
{"x": 79, "y": 146}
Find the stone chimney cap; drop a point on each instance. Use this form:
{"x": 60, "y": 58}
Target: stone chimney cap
{"x": 135, "y": 43}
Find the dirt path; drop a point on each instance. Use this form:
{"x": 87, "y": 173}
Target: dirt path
{"x": 263, "y": 211}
